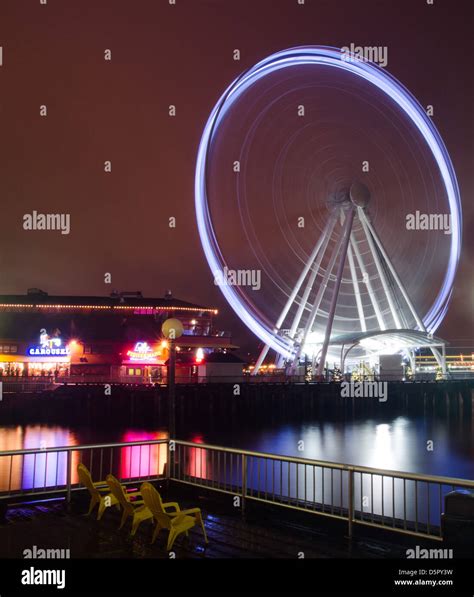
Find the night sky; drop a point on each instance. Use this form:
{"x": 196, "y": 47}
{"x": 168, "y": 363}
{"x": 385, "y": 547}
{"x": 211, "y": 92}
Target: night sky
{"x": 117, "y": 110}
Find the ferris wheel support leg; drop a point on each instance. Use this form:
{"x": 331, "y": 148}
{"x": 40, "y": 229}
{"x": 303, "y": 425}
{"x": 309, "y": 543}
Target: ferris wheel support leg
{"x": 279, "y": 361}
{"x": 345, "y": 238}
{"x": 304, "y": 273}
{"x": 379, "y": 267}
{"x": 260, "y": 359}
{"x": 443, "y": 356}
{"x": 412, "y": 357}
{"x": 393, "y": 271}
{"x": 439, "y": 359}
{"x": 318, "y": 299}
{"x": 355, "y": 284}
{"x": 324, "y": 241}
{"x": 368, "y": 283}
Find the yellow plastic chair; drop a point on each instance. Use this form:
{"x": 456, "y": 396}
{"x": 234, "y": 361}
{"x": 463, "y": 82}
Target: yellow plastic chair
{"x": 100, "y": 492}
{"x": 177, "y": 522}
{"x": 136, "y": 509}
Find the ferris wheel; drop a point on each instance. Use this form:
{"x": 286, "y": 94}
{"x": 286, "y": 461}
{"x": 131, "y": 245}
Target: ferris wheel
{"x": 359, "y": 279}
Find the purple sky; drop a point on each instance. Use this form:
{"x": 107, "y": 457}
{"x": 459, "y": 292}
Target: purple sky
{"x": 118, "y": 111}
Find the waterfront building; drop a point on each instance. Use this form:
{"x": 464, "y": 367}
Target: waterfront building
{"x": 115, "y": 337}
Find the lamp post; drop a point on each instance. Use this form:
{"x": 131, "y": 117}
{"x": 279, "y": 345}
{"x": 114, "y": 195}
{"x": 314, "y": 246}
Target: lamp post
{"x": 172, "y": 330}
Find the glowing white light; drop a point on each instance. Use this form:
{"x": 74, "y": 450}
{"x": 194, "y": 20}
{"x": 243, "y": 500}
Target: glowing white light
{"x": 313, "y": 344}
{"x": 385, "y": 345}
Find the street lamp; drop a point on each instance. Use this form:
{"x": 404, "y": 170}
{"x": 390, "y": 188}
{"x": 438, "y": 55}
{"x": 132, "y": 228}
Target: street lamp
{"x": 172, "y": 330}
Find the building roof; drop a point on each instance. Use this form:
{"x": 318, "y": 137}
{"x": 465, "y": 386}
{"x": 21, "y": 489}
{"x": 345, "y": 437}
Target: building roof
{"x": 406, "y": 338}
{"x": 119, "y": 301}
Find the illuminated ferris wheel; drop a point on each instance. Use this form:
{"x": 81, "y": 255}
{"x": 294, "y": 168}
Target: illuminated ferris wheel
{"x": 359, "y": 283}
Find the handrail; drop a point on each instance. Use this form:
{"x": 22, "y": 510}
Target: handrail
{"x": 295, "y": 459}
{"x": 82, "y": 447}
{"x": 335, "y": 465}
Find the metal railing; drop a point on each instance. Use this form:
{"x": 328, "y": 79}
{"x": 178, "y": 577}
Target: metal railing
{"x": 27, "y": 385}
{"x": 24, "y": 385}
{"x": 403, "y": 502}
{"x": 54, "y": 470}
{"x": 396, "y": 501}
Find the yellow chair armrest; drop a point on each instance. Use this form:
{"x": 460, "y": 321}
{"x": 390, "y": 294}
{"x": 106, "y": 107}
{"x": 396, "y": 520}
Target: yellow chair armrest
{"x": 174, "y": 505}
{"x": 188, "y": 512}
{"x": 178, "y": 519}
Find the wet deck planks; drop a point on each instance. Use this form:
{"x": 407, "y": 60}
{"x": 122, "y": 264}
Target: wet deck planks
{"x": 263, "y": 534}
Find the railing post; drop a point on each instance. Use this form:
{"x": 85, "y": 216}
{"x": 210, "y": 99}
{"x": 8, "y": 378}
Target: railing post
{"x": 170, "y": 461}
{"x": 350, "y": 514}
{"x": 68, "y": 476}
{"x": 244, "y": 482}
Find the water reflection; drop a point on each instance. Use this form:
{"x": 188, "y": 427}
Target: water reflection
{"x": 397, "y": 443}
{"x": 11, "y": 438}
{"x": 49, "y": 469}
{"x": 194, "y": 460}
{"x": 142, "y": 461}
{"x": 35, "y": 470}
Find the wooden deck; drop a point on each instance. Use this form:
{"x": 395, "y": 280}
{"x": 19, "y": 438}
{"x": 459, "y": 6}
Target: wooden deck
{"x": 264, "y": 533}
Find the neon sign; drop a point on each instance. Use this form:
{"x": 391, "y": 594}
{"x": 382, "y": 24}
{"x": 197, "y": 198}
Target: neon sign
{"x": 142, "y": 352}
{"x": 48, "y": 347}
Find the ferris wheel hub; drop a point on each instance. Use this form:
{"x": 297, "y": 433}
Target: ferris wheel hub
{"x": 339, "y": 199}
{"x": 359, "y": 194}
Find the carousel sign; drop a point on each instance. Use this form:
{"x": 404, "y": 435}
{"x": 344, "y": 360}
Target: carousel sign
{"x": 48, "y": 347}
